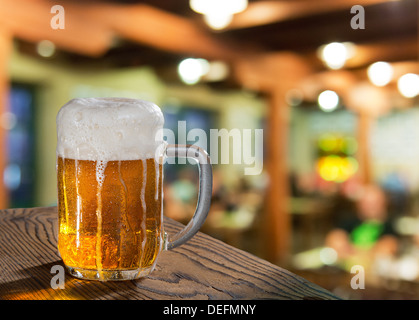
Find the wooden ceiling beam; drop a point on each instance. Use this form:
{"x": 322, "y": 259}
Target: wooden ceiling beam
{"x": 266, "y": 72}
{"x": 30, "y": 20}
{"x": 165, "y": 31}
{"x": 265, "y": 12}
{"x": 91, "y": 27}
{"x": 390, "y": 51}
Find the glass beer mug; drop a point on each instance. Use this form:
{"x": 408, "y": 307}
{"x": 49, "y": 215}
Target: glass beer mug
{"x": 110, "y": 154}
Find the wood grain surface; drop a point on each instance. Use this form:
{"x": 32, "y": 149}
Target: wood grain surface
{"x": 203, "y": 268}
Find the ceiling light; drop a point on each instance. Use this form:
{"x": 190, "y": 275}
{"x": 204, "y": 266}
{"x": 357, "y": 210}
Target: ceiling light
{"x": 218, "y": 13}
{"x": 191, "y": 70}
{"x": 408, "y": 85}
{"x": 380, "y": 73}
{"x": 214, "y": 6}
{"x": 328, "y": 100}
{"x": 335, "y": 54}
{"x": 217, "y": 71}
{"x": 218, "y": 21}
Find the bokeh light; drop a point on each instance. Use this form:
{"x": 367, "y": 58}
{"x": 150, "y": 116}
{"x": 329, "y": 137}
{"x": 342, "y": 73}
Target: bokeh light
{"x": 218, "y": 21}
{"x": 191, "y": 70}
{"x": 213, "y": 6}
{"x": 336, "y": 168}
{"x": 328, "y": 255}
{"x": 408, "y": 85}
{"x": 218, "y": 13}
{"x": 45, "y": 48}
{"x": 335, "y": 54}
{"x": 380, "y": 73}
{"x": 328, "y": 100}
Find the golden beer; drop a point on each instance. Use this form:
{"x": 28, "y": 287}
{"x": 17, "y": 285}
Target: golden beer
{"x": 114, "y": 224}
{"x": 110, "y": 180}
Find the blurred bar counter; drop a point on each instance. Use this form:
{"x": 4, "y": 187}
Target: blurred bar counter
{"x": 204, "y": 268}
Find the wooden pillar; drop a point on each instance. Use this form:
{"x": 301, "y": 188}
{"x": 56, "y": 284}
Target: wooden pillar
{"x": 5, "y": 50}
{"x": 274, "y": 75}
{"x": 369, "y": 102}
{"x": 278, "y": 225}
{"x": 365, "y": 121}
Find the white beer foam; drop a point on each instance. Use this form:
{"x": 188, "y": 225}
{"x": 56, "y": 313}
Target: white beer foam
{"x": 108, "y": 129}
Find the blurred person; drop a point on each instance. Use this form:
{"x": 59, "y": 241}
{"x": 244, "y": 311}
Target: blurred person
{"x": 366, "y": 234}
{"x": 397, "y": 192}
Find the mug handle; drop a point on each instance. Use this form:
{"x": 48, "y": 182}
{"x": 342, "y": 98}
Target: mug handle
{"x": 204, "y": 194}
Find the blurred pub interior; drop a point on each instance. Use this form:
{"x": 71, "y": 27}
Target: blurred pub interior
{"x": 334, "y": 88}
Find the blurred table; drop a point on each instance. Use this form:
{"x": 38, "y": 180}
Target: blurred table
{"x": 313, "y": 217}
{"x": 203, "y": 268}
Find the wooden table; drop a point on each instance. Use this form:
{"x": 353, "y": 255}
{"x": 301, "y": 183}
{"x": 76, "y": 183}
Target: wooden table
{"x": 203, "y": 268}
